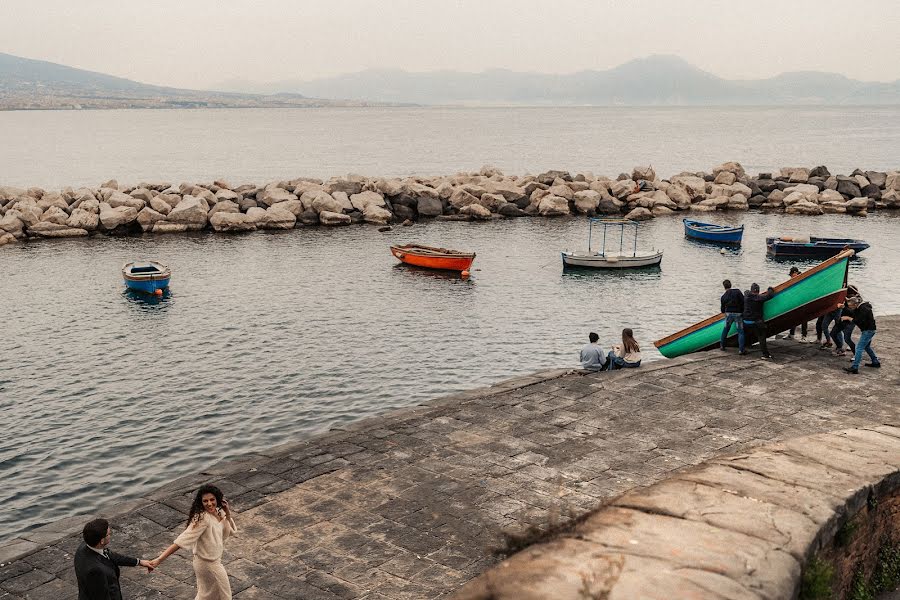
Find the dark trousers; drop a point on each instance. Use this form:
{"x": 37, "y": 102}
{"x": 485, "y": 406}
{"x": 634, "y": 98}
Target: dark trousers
{"x": 803, "y": 329}
{"x": 759, "y": 328}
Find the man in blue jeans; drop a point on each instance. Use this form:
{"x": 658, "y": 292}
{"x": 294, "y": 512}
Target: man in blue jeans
{"x": 732, "y": 303}
{"x": 864, "y": 319}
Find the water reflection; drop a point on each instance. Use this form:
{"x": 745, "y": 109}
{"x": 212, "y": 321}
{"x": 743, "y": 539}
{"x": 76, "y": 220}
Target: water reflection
{"x": 719, "y": 248}
{"x": 651, "y": 272}
{"x": 413, "y": 271}
{"x": 145, "y": 301}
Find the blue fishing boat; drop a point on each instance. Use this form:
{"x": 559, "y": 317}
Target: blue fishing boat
{"x": 811, "y": 247}
{"x": 149, "y": 277}
{"x": 709, "y": 232}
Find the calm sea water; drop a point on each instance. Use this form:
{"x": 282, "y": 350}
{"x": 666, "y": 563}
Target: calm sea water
{"x": 269, "y": 337}
{"x": 58, "y": 148}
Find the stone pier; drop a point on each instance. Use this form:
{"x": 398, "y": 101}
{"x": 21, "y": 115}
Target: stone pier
{"x": 413, "y": 504}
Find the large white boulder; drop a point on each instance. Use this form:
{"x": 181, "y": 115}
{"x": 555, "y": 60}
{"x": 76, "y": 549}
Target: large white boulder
{"x": 476, "y": 211}
{"x": 231, "y": 222}
{"x": 295, "y": 207}
{"x": 803, "y": 207}
{"x": 368, "y": 198}
{"x": 508, "y": 189}
{"x": 586, "y": 202}
{"x": 372, "y": 213}
{"x": 623, "y": 188}
{"x": 693, "y": 185}
{"x": 226, "y": 194}
{"x": 55, "y": 230}
{"x": 52, "y": 199}
{"x": 319, "y": 201}
{"x": 273, "y": 195}
{"x": 83, "y": 219}
{"x": 332, "y": 218}
{"x": 6, "y": 238}
{"x": 809, "y": 191}
{"x": 730, "y": 167}
{"x": 276, "y": 218}
{"x": 148, "y": 217}
{"x": 111, "y": 217}
{"x": 725, "y": 178}
{"x": 190, "y": 211}
{"x": 639, "y": 214}
{"x": 389, "y": 187}
{"x": 645, "y": 173}
{"x": 55, "y": 214}
{"x": 553, "y": 206}
{"x": 738, "y": 202}
{"x": 892, "y": 181}
{"x": 563, "y": 191}
{"x": 461, "y": 198}
{"x": 142, "y": 194}
{"x": 492, "y": 202}
{"x": 117, "y": 199}
{"x": 679, "y": 196}
{"x": 11, "y": 223}
{"x": 831, "y": 196}
{"x": 227, "y": 206}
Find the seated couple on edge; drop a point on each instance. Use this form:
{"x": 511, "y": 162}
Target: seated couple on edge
{"x": 624, "y": 356}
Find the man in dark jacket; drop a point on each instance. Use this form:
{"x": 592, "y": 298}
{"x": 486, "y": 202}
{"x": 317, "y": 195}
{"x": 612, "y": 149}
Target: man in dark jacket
{"x": 753, "y": 315}
{"x": 97, "y": 568}
{"x": 862, "y": 317}
{"x": 732, "y": 304}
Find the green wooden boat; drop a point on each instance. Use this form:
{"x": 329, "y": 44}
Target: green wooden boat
{"x": 798, "y": 300}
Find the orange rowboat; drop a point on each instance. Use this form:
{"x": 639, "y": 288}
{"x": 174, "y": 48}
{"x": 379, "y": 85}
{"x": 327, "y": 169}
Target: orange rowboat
{"x": 434, "y": 258}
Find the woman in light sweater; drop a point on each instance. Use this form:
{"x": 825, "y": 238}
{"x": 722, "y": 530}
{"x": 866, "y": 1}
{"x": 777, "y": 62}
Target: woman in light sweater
{"x": 209, "y": 524}
{"x": 626, "y": 356}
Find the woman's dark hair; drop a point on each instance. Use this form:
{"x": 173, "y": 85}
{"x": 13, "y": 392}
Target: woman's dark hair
{"x": 95, "y": 531}
{"x": 593, "y": 337}
{"x": 629, "y": 344}
{"x": 197, "y": 509}
{"x": 794, "y": 270}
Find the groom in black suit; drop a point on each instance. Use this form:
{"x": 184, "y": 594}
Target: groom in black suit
{"x": 97, "y": 568}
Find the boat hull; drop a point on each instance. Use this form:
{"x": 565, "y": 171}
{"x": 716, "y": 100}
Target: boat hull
{"x": 713, "y": 233}
{"x": 147, "y": 278}
{"x": 813, "y": 249}
{"x": 449, "y": 262}
{"x": 797, "y": 301}
{"x": 597, "y": 261}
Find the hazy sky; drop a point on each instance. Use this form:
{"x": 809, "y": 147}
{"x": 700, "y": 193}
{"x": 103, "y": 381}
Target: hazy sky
{"x": 194, "y": 43}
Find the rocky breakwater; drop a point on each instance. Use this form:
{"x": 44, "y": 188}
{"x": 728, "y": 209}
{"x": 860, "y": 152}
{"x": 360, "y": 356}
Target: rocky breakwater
{"x": 161, "y": 207}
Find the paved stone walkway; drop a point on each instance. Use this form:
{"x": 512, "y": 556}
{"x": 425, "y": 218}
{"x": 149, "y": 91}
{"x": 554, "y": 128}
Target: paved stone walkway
{"x": 408, "y": 505}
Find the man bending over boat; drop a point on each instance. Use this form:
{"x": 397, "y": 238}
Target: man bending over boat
{"x": 592, "y": 357}
{"x": 753, "y": 315}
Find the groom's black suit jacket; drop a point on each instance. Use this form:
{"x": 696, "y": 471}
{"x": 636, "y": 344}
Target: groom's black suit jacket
{"x": 98, "y": 576}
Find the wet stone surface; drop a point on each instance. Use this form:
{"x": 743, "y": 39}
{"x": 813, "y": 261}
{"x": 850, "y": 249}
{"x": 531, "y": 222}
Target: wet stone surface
{"x": 411, "y": 504}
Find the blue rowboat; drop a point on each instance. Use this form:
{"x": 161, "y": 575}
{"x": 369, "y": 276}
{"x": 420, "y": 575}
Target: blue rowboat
{"x": 709, "y": 232}
{"x": 150, "y": 277}
{"x": 811, "y": 247}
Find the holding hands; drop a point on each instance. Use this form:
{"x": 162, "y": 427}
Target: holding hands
{"x": 149, "y": 564}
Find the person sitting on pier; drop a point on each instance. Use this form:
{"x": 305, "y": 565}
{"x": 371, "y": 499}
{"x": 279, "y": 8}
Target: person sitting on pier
{"x": 626, "y": 356}
{"x": 592, "y": 358}
{"x": 732, "y": 304}
{"x": 753, "y": 315}
{"x": 862, "y": 317}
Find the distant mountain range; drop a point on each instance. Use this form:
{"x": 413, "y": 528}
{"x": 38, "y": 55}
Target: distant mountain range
{"x": 27, "y": 84}
{"x": 652, "y": 81}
